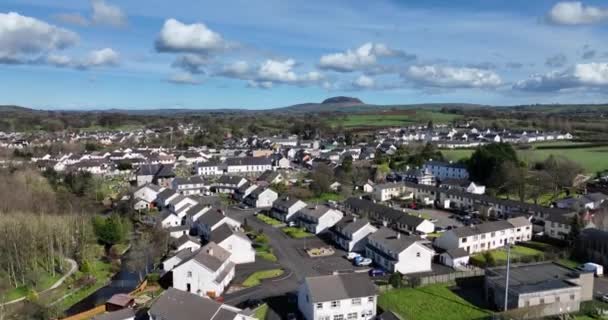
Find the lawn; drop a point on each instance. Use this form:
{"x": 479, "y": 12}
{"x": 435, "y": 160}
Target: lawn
{"x": 393, "y": 120}
{"x": 44, "y": 282}
{"x": 256, "y": 278}
{"x": 268, "y": 220}
{"x": 500, "y": 255}
{"x": 297, "y": 233}
{"x": 429, "y": 302}
{"x": 569, "y": 263}
{"x": 261, "y": 312}
{"x": 592, "y": 159}
{"x": 324, "y": 197}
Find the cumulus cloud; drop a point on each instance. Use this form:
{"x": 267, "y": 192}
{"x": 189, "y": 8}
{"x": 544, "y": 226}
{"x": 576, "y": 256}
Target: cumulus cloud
{"x": 183, "y": 78}
{"x": 176, "y": 36}
{"x": 452, "y": 77}
{"x": 361, "y": 58}
{"x": 59, "y": 60}
{"x": 72, "y": 18}
{"x": 23, "y": 38}
{"x": 270, "y": 72}
{"x": 583, "y": 75}
{"x": 364, "y": 82}
{"x": 576, "y": 13}
{"x": 238, "y": 69}
{"x": 556, "y": 61}
{"x": 103, "y": 57}
{"x": 107, "y": 14}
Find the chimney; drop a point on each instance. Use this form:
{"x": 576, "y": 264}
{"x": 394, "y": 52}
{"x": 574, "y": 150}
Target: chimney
{"x": 355, "y": 219}
{"x": 385, "y": 223}
{"x": 398, "y": 235}
{"x": 210, "y": 251}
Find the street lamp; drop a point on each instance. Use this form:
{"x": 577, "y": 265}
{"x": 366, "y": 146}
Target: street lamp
{"x": 507, "y": 277}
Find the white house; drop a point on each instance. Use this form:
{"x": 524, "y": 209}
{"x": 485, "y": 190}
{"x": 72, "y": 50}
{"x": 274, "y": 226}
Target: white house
{"x": 178, "y": 231}
{"x": 212, "y": 220}
{"x": 206, "y": 273}
{"x": 486, "y": 236}
{"x": 146, "y": 195}
{"x": 190, "y": 186}
{"x": 351, "y": 234}
{"x": 235, "y": 242}
{"x": 413, "y": 224}
{"x": 169, "y": 219}
{"x": 446, "y": 170}
{"x": 337, "y": 297}
{"x": 165, "y": 196}
{"x": 261, "y": 198}
{"x": 285, "y": 209}
{"x": 456, "y": 258}
{"x": 186, "y": 242}
{"x": 397, "y": 252}
{"x": 175, "y": 259}
{"x": 318, "y": 218}
{"x": 387, "y": 191}
{"x": 248, "y": 165}
{"x": 178, "y": 305}
{"x": 228, "y": 184}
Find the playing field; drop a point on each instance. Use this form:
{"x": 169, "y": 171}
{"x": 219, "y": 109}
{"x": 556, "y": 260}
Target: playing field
{"x": 592, "y": 159}
{"x": 392, "y": 119}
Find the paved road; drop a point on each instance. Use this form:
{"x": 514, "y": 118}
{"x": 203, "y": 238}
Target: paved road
{"x": 73, "y": 268}
{"x": 600, "y": 286}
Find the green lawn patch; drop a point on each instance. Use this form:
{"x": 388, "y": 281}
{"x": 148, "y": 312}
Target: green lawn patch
{"x": 45, "y": 281}
{"x": 261, "y": 312}
{"x": 256, "y": 278}
{"x": 393, "y": 120}
{"x": 569, "y": 263}
{"x": 429, "y": 302}
{"x": 268, "y": 220}
{"x": 518, "y": 253}
{"x": 324, "y": 197}
{"x": 297, "y": 233}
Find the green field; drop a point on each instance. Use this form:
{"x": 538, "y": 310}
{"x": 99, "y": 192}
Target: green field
{"x": 268, "y": 220}
{"x": 592, "y": 159}
{"x": 296, "y": 233}
{"x": 500, "y": 255}
{"x": 393, "y": 120}
{"x": 429, "y": 302}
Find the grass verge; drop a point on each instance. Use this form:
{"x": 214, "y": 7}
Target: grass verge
{"x": 261, "y": 312}
{"x": 268, "y": 220}
{"x": 296, "y": 233}
{"x": 256, "y": 278}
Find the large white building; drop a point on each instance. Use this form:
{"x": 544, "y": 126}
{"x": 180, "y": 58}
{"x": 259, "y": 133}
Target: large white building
{"x": 447, "y": 170}
{"x": 337, "y": 297}
{"x": 486, "y": 236}
{"x": 397, "y": 252}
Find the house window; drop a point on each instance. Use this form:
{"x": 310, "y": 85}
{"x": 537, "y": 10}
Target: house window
{"x": 324, "y": 318}
{"x": 464, "y": 240}
{"x": 335, "y": 304}
{"x": 351, "y": 316}
{"x": 319, "y": 306}
{"x": 356, "y": 301}
{"x": 370, "y": 299}
{"x": 571, "y": 297}
{"x": 189, "y": 274}
{"x": 339, "y": 317}
{"x": 542, "y": 301}
{"x": 417, "y": 254}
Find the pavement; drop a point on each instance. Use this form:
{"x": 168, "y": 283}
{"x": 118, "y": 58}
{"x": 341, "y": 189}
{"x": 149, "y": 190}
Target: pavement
{"x": 291, "y": 257}
{"x": 600, "y": 286}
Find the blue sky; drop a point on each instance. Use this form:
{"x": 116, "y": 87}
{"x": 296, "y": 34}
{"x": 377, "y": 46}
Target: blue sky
{"x": 81, "y": 54}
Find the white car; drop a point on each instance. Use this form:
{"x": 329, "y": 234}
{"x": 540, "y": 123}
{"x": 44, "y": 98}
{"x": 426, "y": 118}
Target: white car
{"x": 363, "y": 262}
{"x": 352, "y": 255}
{"x": 604, "y": 298}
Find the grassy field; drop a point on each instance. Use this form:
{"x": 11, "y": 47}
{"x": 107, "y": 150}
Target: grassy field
{"x": 297, "y": 233}
{"x": 500, "y": 255}
{"x": 592, "y": 159}
{"x": 393, "y": 120}
{"x": 45, "y": 281}
{"x": 256, "y": 278}
{"x": 428, "y": 302}
{"x": 324, "y": 197}
{"x": 268, "y": 220}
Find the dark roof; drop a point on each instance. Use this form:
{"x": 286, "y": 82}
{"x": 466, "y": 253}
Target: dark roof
{"x": 183, "y": 239}
{"x": 393, "y": 240}
{"x": 315, "y": 211}
{"x": 148, "y": 169}
{"x": 285, "y": 202}
{"x": 248, "y": 161}
{"x": 122, "y": 314}
{"x": 212, "y": 256}
{"x": 196, "y": 209}
{"x": 527, "y": 278}
{"x": 268, "y": 176}
{"x": 457, "y": 253}
{"x": 180, "y": 305}
{"x": 189, "y": 180}
{"x": 120, "y": 299}
{"x": 349, "y": 225}
{"x": 166, "y": 193}
{"x": 338, "y": 287}
{"x": 231, "y": 180}
{"x": 381, "y": 212}
{"x": 387, "y": 315}
{"x": 211, "y": 217}
{"x": 486, "y": 227}
{"x": 221, "y": 233}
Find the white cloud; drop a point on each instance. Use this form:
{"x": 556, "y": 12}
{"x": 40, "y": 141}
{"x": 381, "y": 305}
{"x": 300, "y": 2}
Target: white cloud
{"x": 556, "y": 61}
{"x": 452, "y": 77}
{"x": 270, "y": 72}
{"x": 576, "y": 13}
{"x": 191, "y": 63}
{"x": 72, "y": 18}
{"x": 583, "y": 75}
{"x": 363, "y": 57}
{"x": 364, "y": 82}
{"x": 183, "y": 78}
{"x": 59, "y": 60}
{"x": 176, "y": 36}
{"x": 102, "y": 57}
{"x": 107, "y": 14}
{"x": 259, "y": 84}
{"x": 22, "y": 37}
{"x": 237, "y": 69}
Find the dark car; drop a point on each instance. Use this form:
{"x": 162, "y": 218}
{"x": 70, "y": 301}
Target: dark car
{"x": 252, "y": 303}
{"x": 377, "y": 273}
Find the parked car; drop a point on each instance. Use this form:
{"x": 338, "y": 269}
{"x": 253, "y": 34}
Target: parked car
{"x": 291, "y": 224}
{"x": 362, "y": 262}
{"x": 352, "y": 255}
{"x": 597, "y": 269}
{"x": 604, "y": 298}
{"x": 377, "y": 273}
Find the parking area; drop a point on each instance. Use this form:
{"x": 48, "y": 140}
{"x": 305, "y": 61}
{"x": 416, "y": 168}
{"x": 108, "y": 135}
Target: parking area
{"x": 600, "y": 286}
{"x": 443, "y": 217}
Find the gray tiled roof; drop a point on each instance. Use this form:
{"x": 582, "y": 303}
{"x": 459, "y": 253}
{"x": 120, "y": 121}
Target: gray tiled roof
{"x": 122, "y": 314}
{"x": 174, "y": 304}
{"x": 393, "y": 240}
{"x": 338, "y": 287}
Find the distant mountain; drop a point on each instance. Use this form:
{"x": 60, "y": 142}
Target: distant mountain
{"x": 342, "y": 100}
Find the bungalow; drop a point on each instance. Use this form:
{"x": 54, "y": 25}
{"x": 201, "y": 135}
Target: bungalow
{"x": 337, "y": 297}
{"x": 178, "y": 305}
{"x": 318, "y": 218}
{"x": 235, "y": 242}
{"x": 395, "y": 252}
{"x": 455, "y": 258}
{"x": 178, "y": 231}
{"x": 261, "y": 198}
{"x": 351, "y": 233}
{"x": 285, "y": 209}
{"x": 205, "y": 273}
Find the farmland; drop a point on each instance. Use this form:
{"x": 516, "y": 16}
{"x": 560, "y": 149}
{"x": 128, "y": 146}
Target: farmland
{"x": 592, "y": 159}
{"x": 390, "y": 119}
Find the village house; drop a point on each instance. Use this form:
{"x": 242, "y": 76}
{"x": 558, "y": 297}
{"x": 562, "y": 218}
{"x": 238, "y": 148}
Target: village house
{"x": 351, "y": 233}
{"x": 212, "y": 220}
{"x": 178, "y": 305}
{"x": 396, "y": 252}
{"x": 446, "y": 170}
{"x": 186, "y": 242}
{"x": 337, "y": 297}
{"x": 285, "y": 209}
{"x": 235, "y": 242}
{"x": 145, "y": 196}
{"x": 318, "y": 218}
{"x": 261, "y": 198}
{"x": 190, "y": 186}
{"x": 228, "y": 184}
{"x": 388, "y": 191}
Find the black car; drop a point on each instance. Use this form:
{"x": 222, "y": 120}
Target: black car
{"x": 252, "y": 303}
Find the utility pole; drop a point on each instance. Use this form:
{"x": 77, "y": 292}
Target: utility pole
{"x": 507, "y": 277}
